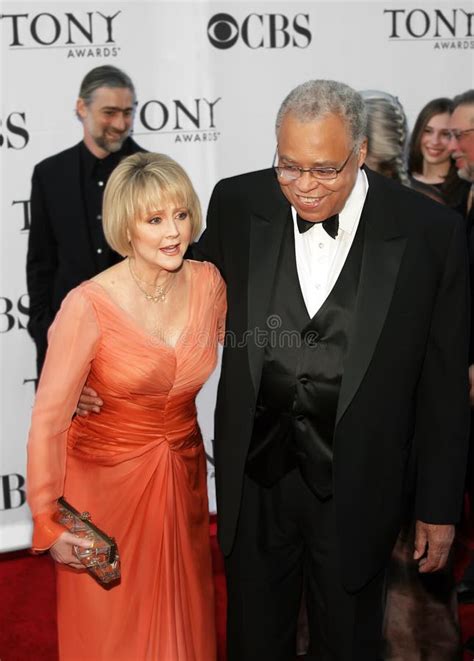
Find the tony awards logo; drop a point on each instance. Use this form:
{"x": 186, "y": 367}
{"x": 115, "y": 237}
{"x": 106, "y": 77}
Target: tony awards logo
{"x": 445, "y": 29}
{"x": 80, "y": 34}
{"x": 190, "y": 120}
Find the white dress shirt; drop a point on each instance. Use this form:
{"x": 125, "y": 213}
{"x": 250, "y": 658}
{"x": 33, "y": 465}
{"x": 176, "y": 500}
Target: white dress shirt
{"x": 319, "y": 257}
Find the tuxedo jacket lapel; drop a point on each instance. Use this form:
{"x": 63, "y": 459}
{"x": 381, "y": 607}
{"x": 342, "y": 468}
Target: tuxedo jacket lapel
{"x": 383, "y": 251}
{"x": 266, "y": 230}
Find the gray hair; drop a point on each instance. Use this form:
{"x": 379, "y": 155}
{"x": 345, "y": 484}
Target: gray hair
{"x": 317, "y": 98}
{"x": 464, "y": 99}
{"x": 387, "y": 133}
{"x": 104, "y": 76}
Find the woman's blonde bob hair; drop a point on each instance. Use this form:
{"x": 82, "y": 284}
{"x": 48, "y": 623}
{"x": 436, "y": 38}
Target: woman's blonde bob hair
{"x": 140, "y": 185}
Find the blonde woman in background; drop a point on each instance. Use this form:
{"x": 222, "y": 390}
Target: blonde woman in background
{"x": 387, "y": 133}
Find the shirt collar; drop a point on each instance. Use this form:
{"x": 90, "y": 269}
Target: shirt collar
{"x": 91, "y": 162}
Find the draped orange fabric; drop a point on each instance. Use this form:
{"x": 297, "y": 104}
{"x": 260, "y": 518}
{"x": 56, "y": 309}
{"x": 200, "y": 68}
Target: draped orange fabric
{"x": 138, "y": 467}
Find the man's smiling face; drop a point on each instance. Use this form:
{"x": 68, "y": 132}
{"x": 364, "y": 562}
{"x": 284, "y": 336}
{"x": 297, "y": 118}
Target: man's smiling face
{"x": 324, "y": 142}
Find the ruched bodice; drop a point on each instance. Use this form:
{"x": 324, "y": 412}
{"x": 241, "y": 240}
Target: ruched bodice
{"x": 159, "y": 384}
{"x": 138, "y": 467}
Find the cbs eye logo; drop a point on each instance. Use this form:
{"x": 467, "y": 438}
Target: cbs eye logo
{"x": 260, "y": 31}
{"x": 223, "y": 30}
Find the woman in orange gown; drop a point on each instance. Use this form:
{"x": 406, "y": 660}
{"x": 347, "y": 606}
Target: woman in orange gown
{"x": 144, "y": 334}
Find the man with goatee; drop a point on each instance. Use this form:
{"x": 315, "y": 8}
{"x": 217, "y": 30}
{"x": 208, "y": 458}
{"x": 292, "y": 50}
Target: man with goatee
{"x": 66, "y": 241}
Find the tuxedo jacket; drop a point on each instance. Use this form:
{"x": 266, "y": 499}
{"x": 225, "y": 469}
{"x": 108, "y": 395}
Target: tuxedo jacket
{"x": 470, "y": 234}
{"x": 60, "y": 251}
{"x": 404, "y": 390}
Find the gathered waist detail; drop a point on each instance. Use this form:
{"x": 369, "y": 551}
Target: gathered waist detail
{"x": 102, "y": 436}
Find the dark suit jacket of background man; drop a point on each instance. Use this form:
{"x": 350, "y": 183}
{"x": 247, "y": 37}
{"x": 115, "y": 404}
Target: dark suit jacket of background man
{"x": 60, "y": 250}
{"x": 405, "y": 373}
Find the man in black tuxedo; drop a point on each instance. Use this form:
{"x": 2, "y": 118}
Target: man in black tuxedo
{"x": 462, "y": 145}
{"x": 345, "y": 356}
{"x": 66, "y": 241}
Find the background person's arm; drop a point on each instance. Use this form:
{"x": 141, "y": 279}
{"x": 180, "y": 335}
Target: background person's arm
{"x": 41, "y": 265}
{"x": 442, "y": 420}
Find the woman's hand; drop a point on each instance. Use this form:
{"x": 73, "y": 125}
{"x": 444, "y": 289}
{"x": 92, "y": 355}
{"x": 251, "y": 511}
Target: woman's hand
{"x": 62, "y": 551}
{"x": 88, "y": 401}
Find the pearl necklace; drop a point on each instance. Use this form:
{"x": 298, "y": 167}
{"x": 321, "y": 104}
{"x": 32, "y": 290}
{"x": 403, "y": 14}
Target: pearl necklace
{"x": 161, "y": 291}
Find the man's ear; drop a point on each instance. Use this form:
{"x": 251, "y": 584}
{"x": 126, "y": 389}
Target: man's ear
{"x": 81, "y": 108}
{"x": 362, "y": 153}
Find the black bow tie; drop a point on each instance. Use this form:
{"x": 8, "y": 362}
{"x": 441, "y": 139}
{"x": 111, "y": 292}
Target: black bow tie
{"x": 331, "y": 225}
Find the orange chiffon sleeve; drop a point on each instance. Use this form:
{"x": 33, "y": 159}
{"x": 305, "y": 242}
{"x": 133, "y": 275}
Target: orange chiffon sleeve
{"x": 72, "y": 344}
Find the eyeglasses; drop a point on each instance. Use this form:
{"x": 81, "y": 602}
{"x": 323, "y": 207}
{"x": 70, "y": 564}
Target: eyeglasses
{"x": 293, "y": 172}
{"x": 457, "y": 134}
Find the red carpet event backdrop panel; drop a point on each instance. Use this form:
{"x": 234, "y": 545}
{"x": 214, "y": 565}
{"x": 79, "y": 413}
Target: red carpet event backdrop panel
{"x": 209, "y": 78}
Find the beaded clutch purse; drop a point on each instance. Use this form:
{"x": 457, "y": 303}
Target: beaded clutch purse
{"x": 102, "y": 559}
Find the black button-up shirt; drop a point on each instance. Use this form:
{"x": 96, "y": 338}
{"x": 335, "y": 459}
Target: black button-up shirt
{"x": 95, "y": 173}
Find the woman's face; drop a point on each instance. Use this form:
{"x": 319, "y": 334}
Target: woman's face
{"x": 435, "y": 140}
{"x": 160, "y": 238}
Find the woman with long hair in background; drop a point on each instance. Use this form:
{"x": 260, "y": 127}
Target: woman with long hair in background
{"x": 431, "y": 168}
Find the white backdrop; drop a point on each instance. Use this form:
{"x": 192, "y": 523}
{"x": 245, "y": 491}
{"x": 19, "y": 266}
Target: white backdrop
{"x": 209, "y": 78}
